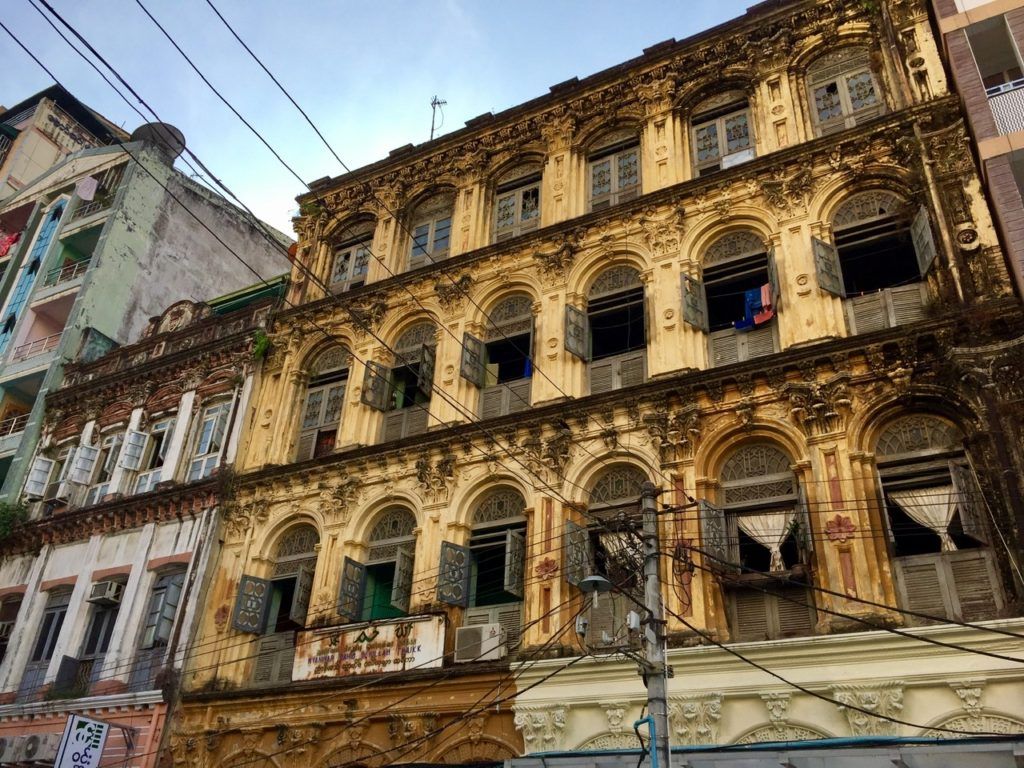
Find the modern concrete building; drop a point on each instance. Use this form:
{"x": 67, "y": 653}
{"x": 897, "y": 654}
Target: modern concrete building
{"x": 96, "y": 245}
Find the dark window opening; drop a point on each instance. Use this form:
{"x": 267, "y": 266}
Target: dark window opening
{"x": 101, "y": 627}
{"x": 281, "y": 600}
{"x": 757, "y": 557}
{"x": 508, "y": 359}
{"x": 8, "y": 614}
{"x": 489, "y": 566}
{"x": 617, "y": 324}
{"x": 53, "y": 621}
{"x": 876, "y": 255}
{"x": 405, "y": 388}
{"x": 726, "y": 286}
{"x": 995, "y": 54}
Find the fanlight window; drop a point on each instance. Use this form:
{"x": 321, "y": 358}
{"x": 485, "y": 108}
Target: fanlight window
{"x": 351, "y": 258}
{"x": 614, "y": 169}
{"x": 757, "y": 473}
{"x": 882, "y": 250}
{"x": 325, "y": 396}
{"x": 915, "y": 434}
{"x": 517, "y": 202}
{"x": 619, "y": 486}
{"x": 843, "y": 90}
{"x": 612, "y": 335}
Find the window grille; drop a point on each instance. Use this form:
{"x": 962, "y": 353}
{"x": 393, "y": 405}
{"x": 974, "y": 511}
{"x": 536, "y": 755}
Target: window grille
{"x": 511, "y": 317}
{"x": 866, "y": 206}
{"x": 734, "y": 245}
{"x": 916, "y": 433}
{"x": 621, "y": 483}
{"x": 758, "y": 472}
{"x": 615, "y": 280}
{"x": 394, "y": 528}
{"x": 502, "y": 505}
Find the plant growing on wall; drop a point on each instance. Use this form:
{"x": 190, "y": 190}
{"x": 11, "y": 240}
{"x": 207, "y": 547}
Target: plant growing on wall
{"x": 260, "y": 344}
{"x": 12, "y": 517}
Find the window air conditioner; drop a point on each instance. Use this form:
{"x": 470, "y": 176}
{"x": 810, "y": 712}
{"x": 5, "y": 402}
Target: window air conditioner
{"x": 106, "y": 593}
{"x": 6, "y": 627}
{"x": 10, "y": 749}
{"x": 483, "y": 642}
{"x": 41, "y": 748}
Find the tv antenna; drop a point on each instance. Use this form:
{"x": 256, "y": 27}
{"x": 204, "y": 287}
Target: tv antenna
{"x": 436, "y": 104}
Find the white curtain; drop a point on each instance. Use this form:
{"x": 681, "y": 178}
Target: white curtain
{"x": 931, "y": 507}
{"x": 769, "y": 529}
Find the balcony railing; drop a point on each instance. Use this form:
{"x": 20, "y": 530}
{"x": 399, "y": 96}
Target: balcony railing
{"x": 13, "y": 425}
{"x": 66, "y": 273}
{"x": 37, "y": 347}
{"x": 1007, "y": 104}
{"x": 105, "y": 192}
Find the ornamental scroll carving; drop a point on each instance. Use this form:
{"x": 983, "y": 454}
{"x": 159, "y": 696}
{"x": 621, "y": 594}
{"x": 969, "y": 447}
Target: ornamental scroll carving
{"x": 819, "y": 409}
{"x": 875, "y": 703}
{"x": 452, "y": 293}
{"x": 694, "y": 719}
{"x": 435, "y": 479}
{"x": 542, "y": 728}
{"x": 675, "y": 434}
{"x": 240, "y": 518}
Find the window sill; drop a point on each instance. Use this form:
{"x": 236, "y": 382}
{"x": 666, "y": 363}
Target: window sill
{"x": 799, "y": 573}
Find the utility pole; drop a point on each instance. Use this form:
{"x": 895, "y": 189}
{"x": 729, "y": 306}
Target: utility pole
{"x": 656, "y": 670}
{"x": 435, "y": 103}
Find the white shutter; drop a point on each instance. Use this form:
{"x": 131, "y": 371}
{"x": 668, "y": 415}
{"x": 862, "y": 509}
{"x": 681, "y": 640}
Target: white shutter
{"x": 970, "y": 501}
{"x": 724, "y": 348}
{"x": 868, "y": 313}
{"x": 131, "y": 453}
{"x": 907, "y": 305}
{"x": 85, "y": 463}
{"x": 38, "y": 474}
{"x": 518, "y": 395}
{"x": 631, "y": 370}
{"x": 759, "y": 342}
{"x": 491, "y": 400}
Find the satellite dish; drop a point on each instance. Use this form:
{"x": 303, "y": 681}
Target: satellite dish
{"x": 163, "y": 135}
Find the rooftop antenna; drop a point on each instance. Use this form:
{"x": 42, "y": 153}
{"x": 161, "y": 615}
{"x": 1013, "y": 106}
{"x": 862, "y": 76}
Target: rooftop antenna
{"x": 436, "y": 104}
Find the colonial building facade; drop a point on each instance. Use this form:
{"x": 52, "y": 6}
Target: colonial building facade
{"x": 755, "y": 268}
{"x": 104, "y": 586}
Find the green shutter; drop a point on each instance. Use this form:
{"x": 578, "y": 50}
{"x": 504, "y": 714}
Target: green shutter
{"x": 401, "y": 588}
{"x": 453, "y": 574}
{"x": 252, "y": 605}
{"x": 924, "y": 243}
{"x": 425, "y": 372}
{"x": 300, "y": 600}
{"x": 713, "y": 535}
{"x": 577, "y": 553}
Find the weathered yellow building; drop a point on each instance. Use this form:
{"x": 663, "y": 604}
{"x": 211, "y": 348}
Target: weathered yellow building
{"x": 755, "y": 267}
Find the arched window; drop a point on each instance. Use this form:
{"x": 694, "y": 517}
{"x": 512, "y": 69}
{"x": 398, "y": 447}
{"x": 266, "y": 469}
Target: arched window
{"x": 497, "y": 549}
{"x": 389, "y": 567}
{"x": 612, "y": 335}
{"x": 501, "y": 363}
{"x": 721, "y": 133}
{"x": 292, "y": 578}
{"x": 610, "y": 546}
{"x": 768, "y": 531}
{"x": 938, "y": 525}
{"x": 614, "y": 170}
{"x": 350, "y": 259}
{"x": 325, "y": 396}
{"x": 517, "y": 202}
{"x": 842, "y": 89}
{"x": 880, "y": 256}
{"x": 403, "y": 391}
{"x": 736, "y": 299}
{"x": 431, "y": 227}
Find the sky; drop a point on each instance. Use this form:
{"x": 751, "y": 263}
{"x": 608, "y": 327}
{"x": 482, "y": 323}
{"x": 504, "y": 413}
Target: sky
{"x": 364, "y": 71}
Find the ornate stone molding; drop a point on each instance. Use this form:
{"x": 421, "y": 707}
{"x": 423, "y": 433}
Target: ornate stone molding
{"x": 874, "y": 703}
{"x": 542, "y": 727}
{"x": 694, "y": 718}
{"x": 452, "y": 293}
{"x": 435, "y": 479}
{"x": 820, "y": 408}
{"x": 675, "y": 434}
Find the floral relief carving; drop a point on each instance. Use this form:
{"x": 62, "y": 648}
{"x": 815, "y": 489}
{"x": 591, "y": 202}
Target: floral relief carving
{"x": 675, "y": 434}
{"x": 875, "y": 703}
{"x": 542, "y": 728}
{"x": 241, "y": 518}
{"x": 840, "y": 529}
{"x": 694, "y": 719}
{"x": 435, "y": 479}
{"x": 819, "y": 409}
{"x": 452, "y": 293}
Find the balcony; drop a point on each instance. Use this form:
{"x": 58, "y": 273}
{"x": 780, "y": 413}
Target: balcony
{"x": 10, "y": 433}
{"x": 106, "y": 190}
{"x": 1007, "y": 104}
{"x": 37, "y": 347}
{"x": 65, "y": 274}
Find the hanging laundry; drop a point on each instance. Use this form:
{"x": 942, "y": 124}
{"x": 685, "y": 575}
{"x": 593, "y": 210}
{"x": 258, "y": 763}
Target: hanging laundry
{"x": 8, "y": 241}
{"x": 767, "y": 311}
{"x": 751, "y": 307}
{"x": 86, "y": 188}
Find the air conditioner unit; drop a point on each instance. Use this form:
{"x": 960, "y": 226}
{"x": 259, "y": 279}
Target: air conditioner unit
{"x": 10, "y": 749}
{"x": 41, "y": 748}
{"x": 483, "y": 642}
{"x": 6, "y": 627}
{"x": 106, "y": 593}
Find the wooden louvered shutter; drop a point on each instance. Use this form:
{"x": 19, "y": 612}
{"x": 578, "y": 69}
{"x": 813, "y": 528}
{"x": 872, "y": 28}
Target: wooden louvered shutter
{"x": 924, "y": 243}
{"x": 394, "y": 425}
{"x": 750, "y": 614}
{"x": 453, "y": 574}
{"x": 518, "y": 395}
{"x": 714, "y": 541}
{"x": 307, "y": 442}
{"x": 251, "y": 605}
{"x": 602, "y": 376}
{"x": 923, "y": 587}
{"x": 827, "y": 267}
{"x": 695, "y": 303}
{"x": 131, "y": 452}
{"x": 794, "y": 612}
{"x": 759, "y": 342}
{"x": 376, "y": 383}
{"x": 907, "y": 305}
{"x": 869, "y": 313}
{"x": 631, "y": 370}
{"x": 725, "y": 348}
{"x": 473, "y": 366}
{"x": 577, "y": 336}
{"x": 416, "y": 419}
{"x": 350, "y": 594}
{"x": 491, "y": 400}
{"x": 425, "y": 371}
{"x": 275, "y": 655}
{"x": 773, "y": 279}
{"x": 515, "y": 562}
{"x": 976, "y": 585}
{"x": 401, "y": 588}
{"x": 970, "y": 501}
{"x": 300, "y": 600}
{"x": 510, "y": 617}
{"x": 577, "y": 553}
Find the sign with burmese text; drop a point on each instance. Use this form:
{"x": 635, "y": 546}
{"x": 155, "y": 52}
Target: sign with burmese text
{"x": 362, "y": 649}
{"x": 82, "y": 744}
